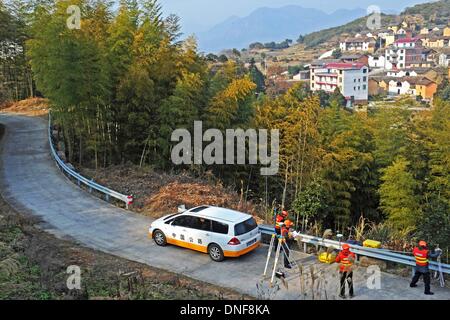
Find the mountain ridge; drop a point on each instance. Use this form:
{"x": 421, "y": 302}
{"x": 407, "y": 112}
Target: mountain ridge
{"x": 272, "y": 24}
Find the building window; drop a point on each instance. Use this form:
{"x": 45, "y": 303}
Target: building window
{"x": 364, "y": 87}
{"x": 364, "y": 79}
{"x": 364, "y": 70}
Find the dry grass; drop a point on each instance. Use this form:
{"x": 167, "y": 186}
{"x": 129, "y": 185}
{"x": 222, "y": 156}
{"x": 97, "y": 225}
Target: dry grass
{"x": 32, "y": 107}
{"x": 170, "y": 196}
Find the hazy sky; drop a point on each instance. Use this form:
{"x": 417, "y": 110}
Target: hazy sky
{"x": 198, "y": 15}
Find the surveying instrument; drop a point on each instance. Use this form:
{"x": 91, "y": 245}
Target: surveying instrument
{"x": 281, "y": 246}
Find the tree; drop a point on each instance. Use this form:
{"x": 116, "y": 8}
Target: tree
{"x": 223, "y": 58}
{"x": 338, "y": 98}
{"x": 397, "y": 195}
{"x": 257, "y": 77}
{"x": 434, "y": 225}
{"x": 232, "y": 107}
{"x": 337, "y": 53}
{"x": 16, "y": 81}
{"x": 310, "y": 203}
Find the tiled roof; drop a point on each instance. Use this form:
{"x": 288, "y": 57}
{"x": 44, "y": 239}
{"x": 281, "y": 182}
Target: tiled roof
{"x": 344, "y": 65}
{"x": 407, "y": 40}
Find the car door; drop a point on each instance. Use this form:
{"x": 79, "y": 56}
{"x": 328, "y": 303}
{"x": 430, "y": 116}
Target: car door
{"x": 179, "y": 228}
{"x": 200, "y": 233}
{"x": 190, "y": 232}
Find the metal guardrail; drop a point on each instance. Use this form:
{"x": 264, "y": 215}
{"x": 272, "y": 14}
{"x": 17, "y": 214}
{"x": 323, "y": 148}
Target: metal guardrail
{"x": 80, "y": 179}
{"x": 382, "y": 254}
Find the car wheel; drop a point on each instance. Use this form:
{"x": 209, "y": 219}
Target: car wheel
{"x": 160, "y": 238}
{"x": 215, "y": 252}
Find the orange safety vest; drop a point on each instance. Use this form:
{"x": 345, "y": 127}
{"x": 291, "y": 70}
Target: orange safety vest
{"x": 284, "y": 231}
{"x": 421, "y": 257}
{"x": 279, "y": 221}
{"x": 345, "y": 260}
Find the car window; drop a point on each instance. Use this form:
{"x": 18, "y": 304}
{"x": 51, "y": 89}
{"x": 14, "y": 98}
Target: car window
{"x": 183, "y": 221}
{"x": 219, "y": 227}
{"x": 245, "y": 227}
{"x": 201, "y": 224}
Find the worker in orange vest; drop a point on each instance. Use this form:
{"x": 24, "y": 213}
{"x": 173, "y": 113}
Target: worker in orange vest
{"x": 346, "y": 259}
{"x": 279, "y": 222}
{"x": 287, "y": 241}
{"x": 422, "y": 254}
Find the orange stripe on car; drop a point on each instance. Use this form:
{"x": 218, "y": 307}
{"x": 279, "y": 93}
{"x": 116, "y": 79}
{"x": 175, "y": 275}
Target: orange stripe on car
{"x": 189, "y": 245}
{"x": 240, "y": 252}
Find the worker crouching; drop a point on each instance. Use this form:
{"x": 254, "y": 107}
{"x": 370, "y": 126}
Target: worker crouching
{"x": 346, "y": 260}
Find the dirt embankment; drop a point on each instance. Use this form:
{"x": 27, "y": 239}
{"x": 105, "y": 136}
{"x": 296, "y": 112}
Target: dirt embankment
{"x": 33, "y": 265}
{"x": 157, "y": 193}
{"x": 32, "y": 107}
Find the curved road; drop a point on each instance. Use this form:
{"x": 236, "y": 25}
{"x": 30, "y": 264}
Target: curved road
{"x": 31, "y": 182}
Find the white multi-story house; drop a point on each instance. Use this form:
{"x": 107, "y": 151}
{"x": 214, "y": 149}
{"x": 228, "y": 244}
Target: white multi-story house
{"x": 351, "y": 78}
{"x": 406, "y": 53}
{"x": 379, "y": 62}
{"x": 361, "y": 43}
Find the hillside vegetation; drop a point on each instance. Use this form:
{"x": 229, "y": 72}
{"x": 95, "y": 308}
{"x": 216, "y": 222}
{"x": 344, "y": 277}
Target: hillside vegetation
{"x": 435, "y": 12}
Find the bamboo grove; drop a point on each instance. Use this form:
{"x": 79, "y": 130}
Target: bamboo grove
{"x": 124, "y": 81}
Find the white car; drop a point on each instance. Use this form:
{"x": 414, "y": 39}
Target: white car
{"x": 217, "y": 231}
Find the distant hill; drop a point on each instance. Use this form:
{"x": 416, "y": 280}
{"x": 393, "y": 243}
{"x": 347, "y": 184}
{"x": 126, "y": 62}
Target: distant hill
{"x": 434, "y": 13}
{"x": 437, "y": 12}
{"x": 357, "y": 26}
{"x": 271, "y": 24}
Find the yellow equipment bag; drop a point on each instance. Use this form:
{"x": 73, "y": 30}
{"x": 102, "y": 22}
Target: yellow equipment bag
{"x": 372, "y": 244}
{"x": 326, "y": 257}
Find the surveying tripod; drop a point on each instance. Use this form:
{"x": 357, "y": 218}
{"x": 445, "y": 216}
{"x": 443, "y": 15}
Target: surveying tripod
{"x": 282, "y": 245}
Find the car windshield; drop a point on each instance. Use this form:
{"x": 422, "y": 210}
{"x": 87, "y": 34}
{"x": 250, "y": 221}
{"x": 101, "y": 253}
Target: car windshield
{"x": 245, "y": 227}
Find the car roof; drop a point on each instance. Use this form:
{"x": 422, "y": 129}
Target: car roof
{"x": 218, "y": 213}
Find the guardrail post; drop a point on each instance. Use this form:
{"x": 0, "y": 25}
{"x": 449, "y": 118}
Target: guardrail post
{"x": 107, "y": 197}
{"x": 304, "y": 247}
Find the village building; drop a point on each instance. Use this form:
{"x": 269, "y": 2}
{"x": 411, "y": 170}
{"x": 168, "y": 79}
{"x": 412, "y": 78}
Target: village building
{"x": 379, "y": 61}
{"x": 302, "y": 75}
{"x": 405, "y": 53}
{"x": 350, "y": 78}
{"x": 358, "y": 44}
{"x": 444, "y": 57}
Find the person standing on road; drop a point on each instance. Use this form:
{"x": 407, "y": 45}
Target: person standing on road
{"x": 287, "y": 241}
{"x": 346, "y": 259}
{"x": 422, "y": 254}
{"x": 279, "y": 223}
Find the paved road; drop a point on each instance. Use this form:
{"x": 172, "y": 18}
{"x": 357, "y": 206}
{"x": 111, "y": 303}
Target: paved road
{"x": 31, "y": 182}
